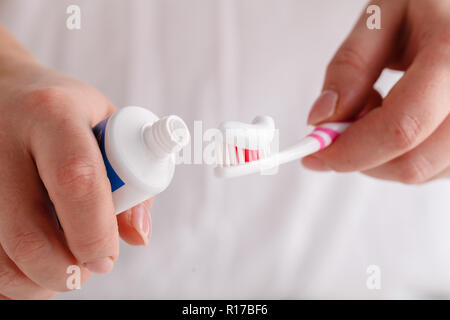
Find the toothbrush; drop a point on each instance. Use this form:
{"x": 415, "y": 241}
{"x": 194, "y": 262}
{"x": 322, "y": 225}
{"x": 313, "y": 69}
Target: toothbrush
{"x": 246, "y": 149}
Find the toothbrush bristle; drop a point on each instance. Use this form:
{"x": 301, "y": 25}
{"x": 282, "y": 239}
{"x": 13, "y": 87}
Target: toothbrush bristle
{"x": 240, "y": 155}
{"x": 241, "y": 143}
{"x": 232, "y": 155}
{"x": 247, "y": 155}
{"x": 235, "y": 156}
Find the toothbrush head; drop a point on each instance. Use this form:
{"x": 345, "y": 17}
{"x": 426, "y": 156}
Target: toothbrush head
{"x": 243, "y": 143}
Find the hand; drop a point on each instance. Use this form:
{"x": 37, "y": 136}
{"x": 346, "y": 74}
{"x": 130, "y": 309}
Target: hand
{"x": 51, "y": 166}
{"x": 406, "y": 136}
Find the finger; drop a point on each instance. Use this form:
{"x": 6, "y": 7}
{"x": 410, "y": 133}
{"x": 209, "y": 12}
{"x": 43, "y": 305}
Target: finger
{"x": 71, "y": 168}
{"x": 15, "y": 285}
{"x": 357, "y": 65}
{"x": 315, "y": 163}
{"x": 29, "y": 231}
{"x": 414, "y": 108}
{"x": 420, "y": 164}
{"x": 135, "y": 224}
{"x": 445, "y": 174}
{"x": 374, "y": 100}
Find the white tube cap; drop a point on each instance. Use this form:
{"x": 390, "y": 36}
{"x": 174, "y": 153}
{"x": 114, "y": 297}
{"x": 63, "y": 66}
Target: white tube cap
{"x": 166, "y": 136}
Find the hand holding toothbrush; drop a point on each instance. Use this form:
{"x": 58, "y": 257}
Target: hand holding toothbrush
{"x": 406, "y": 136}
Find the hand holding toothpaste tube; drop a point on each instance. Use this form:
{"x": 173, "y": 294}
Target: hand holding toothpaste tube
{"x": 51, "y": 166}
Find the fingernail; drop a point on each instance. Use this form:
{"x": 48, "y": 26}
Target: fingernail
{"x": 101, "y": 266}
{"x": 141, "y": 222}
{"x": 324, "y": 107}
{"x": 314, "y": 163}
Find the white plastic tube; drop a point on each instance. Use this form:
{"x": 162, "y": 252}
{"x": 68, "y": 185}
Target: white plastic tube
{"x": 139, "y": 151}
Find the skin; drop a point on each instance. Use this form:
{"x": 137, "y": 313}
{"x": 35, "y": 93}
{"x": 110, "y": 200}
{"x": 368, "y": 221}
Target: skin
{"x": 52, "y": 169}
{"x": 404, "y": 137}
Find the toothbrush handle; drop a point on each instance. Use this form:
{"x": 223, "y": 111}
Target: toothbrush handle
{"x": 321, "y": 137}
{"x": 326, "y": 133}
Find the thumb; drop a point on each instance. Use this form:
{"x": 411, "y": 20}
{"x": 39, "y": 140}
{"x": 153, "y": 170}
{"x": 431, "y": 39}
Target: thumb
{"x": 135, "y": 224}
{"x": 357, "y": 65}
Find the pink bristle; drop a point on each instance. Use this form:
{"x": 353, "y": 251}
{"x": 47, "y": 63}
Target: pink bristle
{"x": 251, "y": 155}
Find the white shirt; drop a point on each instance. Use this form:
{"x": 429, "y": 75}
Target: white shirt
{"x": 297, "y": 234}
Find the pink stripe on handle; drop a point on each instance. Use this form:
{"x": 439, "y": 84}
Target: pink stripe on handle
{"x": 320, "y": 139}
{"x": 330, "y": 132}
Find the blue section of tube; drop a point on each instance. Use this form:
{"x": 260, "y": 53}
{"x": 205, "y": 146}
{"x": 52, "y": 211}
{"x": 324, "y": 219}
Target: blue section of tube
{"x": 114, "y": 179}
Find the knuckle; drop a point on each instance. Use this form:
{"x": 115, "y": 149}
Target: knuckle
{"x": 406, "y": 131}
{"x": 28, "y": 247}
{"x": 416, "y": 170}
{"x": 78, "y": 178}
{"x": 349, "y": 58}
{"x": 45, "y": 104}
{"x": 45, "y": 99}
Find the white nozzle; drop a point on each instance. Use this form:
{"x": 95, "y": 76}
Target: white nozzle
{"x": 166, "y": 136}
